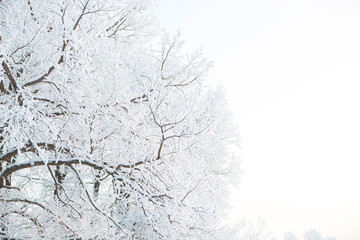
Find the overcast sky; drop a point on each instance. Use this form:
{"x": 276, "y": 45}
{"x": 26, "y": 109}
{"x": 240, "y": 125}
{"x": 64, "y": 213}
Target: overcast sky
{"x": 292, "y": 74}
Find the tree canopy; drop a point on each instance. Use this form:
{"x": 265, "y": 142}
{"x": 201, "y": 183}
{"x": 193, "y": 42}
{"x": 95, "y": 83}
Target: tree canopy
{"x": 107, "y": 130}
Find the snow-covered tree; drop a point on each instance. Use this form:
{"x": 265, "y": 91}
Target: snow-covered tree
{"x": 290, "y": 236}
{"x": 107, "y": 130}
{"x": 315, "y": 235}
{"x": 308, "y": 235}
{"x": 312, "y": 235}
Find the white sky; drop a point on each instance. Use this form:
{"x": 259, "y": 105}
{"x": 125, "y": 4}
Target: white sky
{"x": 292, "y": 73}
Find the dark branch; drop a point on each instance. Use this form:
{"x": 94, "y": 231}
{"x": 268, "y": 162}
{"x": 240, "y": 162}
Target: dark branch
{"x": 9, "y": 75}
{"x": 43, "y": 77}
{"x": 39, "y": 162}
{"x": 28, "y": 148}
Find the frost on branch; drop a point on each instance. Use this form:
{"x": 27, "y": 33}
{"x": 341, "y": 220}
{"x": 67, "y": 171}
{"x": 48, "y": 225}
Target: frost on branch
{"x": 103, "y": 132}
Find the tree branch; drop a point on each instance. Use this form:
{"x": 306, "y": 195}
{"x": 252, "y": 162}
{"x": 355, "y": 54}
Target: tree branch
{"x": 43, "y": 77}
{"x": 57, "y": 191}
{"x": 92, "y": 202}
{"x": 9, "y": 169}
{"x": 23, "y": 200}
{"x": 9, "y": 75}
{"x": 51, "y": 69}
{"x": 6, "y": 157}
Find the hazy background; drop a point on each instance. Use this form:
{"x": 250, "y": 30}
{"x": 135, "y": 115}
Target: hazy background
{"x": 292, "y": 74}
